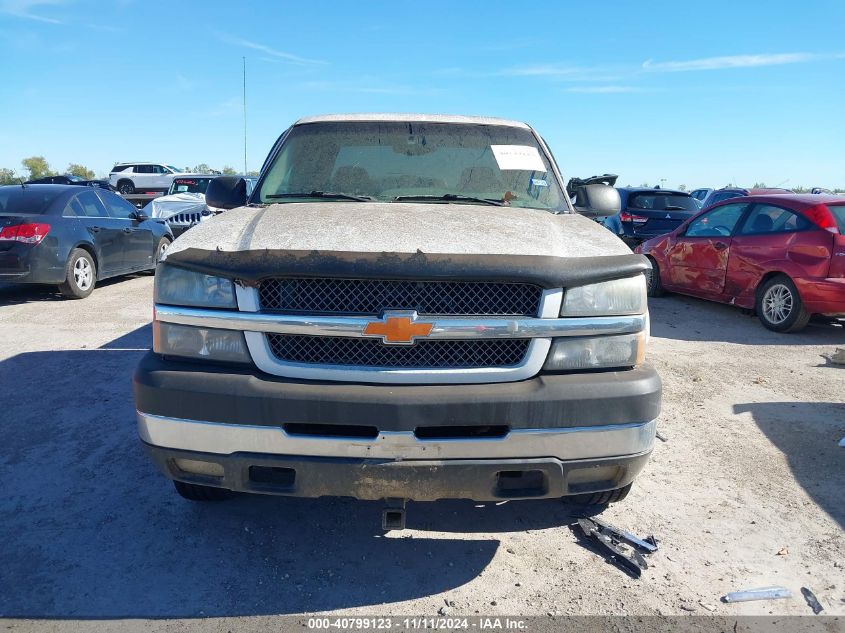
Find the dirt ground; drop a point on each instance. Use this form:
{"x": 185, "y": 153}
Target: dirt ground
{"x": 748, "y": 490}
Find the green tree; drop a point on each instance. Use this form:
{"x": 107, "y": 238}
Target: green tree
{"x": 202, "y": 168}
{"x": 759, "y": 185}
{"x": 37, "y": 166}
{"x": 228, "y": 171}
{"x": 81, "y": 171}
{"x": 252, "y": 173}
{"x": 8, "y": 177}
{"x": 682, "y": 187}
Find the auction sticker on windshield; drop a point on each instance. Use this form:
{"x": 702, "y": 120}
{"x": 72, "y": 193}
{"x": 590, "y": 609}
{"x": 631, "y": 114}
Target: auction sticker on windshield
{"x": 518, "y": 157}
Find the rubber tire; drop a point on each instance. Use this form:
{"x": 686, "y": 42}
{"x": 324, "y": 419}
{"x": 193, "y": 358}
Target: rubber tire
{"x": 195, "y": 492}
{"x": 600, "y": 498}
{"x": 654, "y": 286}
{"x": 125, "y": 187}
{"x": 69, "y": 289}
{"x": 797, "y": 319}
{"x": 164, "y": 240}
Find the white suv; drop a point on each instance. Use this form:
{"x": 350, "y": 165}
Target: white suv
{"x": 129, "y": 178}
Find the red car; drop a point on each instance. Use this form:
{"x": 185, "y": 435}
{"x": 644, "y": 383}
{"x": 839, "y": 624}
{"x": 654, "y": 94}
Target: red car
{"x": 781, "y": 255}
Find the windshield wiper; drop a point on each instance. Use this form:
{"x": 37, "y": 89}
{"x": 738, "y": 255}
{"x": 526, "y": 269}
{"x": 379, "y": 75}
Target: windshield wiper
{"x": 319, "y": 194}
{"x": 450, "y": 197}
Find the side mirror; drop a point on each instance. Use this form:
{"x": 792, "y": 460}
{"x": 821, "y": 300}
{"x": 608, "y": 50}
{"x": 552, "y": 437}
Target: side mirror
{"x": 139, "y": 215}
{"x": 226, "y": 192}
{"x": 597, "y": 201}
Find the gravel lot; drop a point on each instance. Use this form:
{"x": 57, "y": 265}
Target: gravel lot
{"x": 748, "y": 490}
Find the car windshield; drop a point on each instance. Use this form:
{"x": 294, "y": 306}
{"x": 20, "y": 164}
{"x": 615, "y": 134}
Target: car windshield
{"x": 398, "y": 161}
{"x": 27, "y": 200}
{"x": 189, "y": 185}
{"x": 662, "y": 201}
{"x": 172, "y": 168}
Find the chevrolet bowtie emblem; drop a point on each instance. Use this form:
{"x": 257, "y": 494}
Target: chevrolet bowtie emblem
{"x": 400, "y": 328}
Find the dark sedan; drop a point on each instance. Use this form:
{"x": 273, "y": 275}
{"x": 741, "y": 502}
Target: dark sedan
{"x": 70, "y": 179}
{"x": 74, "y": 236}
{"x": 647, "y": 213}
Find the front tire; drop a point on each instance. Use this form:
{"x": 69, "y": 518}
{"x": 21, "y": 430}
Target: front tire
{"x": 80, "y": 275}
{"x": 126, "y": 187}
{"x": 195, "y": 492}
{"x": 779, "y": 306}
{"x": 654, "y": 286}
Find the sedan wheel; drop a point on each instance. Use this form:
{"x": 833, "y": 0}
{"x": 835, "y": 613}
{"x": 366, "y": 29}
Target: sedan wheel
{"x": 779, "y": 306}
{"x": 83, "y": 274}
{"x": 80, "y": 275}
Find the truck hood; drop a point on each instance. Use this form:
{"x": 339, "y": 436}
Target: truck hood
{"x": 391, "y": 227}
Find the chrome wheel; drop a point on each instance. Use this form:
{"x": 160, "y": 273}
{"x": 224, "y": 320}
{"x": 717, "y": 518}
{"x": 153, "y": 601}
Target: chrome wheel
{"x": 83, "y": 274}
{"x": 777, "y": 303}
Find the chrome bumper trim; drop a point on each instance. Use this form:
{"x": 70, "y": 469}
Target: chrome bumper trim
{"x": 566, "y": 443}
{"x": 442, "y": 328}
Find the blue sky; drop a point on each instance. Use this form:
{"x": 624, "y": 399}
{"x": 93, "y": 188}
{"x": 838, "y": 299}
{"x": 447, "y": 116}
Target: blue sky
{"x": 700, "y": 94}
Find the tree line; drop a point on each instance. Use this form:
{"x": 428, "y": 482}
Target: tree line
{"x": 36, "y": 167}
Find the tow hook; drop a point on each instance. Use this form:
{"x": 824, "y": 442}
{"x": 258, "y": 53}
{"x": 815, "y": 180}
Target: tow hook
{"x": 393, "y": 515}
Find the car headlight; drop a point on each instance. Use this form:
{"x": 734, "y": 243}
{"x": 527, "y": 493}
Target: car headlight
{"x": 188, "y": 341}
{"x": 606, "y": 298}
{"x": 177, "y": 286}
{"x": 599, "y": 352}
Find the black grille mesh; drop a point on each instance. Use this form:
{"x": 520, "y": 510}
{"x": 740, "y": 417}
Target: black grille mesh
{"x": 425, "y": 354}
{"x": 373, "y": 296}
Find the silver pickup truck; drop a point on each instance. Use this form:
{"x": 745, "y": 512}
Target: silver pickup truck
{"x": 407, "y": 307}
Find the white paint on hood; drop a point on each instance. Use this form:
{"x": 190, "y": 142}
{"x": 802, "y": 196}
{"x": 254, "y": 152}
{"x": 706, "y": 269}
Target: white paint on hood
{"x": 392, "y": 227}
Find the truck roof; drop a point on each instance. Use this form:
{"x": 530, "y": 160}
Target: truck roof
{"x": 414, "y": 118}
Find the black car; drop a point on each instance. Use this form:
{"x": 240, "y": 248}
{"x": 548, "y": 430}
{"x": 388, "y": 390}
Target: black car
{"x": 70, "y": 179}
{"x": 649, "y": 212}
{"x": 74, "y": 236}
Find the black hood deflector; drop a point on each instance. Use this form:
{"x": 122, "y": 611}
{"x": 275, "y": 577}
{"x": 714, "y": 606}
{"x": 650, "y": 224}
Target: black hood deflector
{"x": 250, "y": 267}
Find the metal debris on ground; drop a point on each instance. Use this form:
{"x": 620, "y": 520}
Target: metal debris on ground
{"x": 612, "y": 541}
{"x": 812, "y": 601}
{"x": 661, "y": 437}
{"x": 763, "y": 593}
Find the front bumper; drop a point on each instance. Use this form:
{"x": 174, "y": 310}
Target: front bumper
{"x": 559, "y": 434}
{"x": 247, "y": 396}
{"x": 429, "y": 480}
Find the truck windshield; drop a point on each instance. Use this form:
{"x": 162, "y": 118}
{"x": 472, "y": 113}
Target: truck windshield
{"x": 404, "y": 161}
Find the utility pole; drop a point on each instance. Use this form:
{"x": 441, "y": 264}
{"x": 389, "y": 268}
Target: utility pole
{"x": 245, "y": 168}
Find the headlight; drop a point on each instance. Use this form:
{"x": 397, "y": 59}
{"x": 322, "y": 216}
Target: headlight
{"x": 600, "y": 352}
{"x": 177, "y": 286}
{"x": 606, "y": 298}
{"x": 203, "y": 343}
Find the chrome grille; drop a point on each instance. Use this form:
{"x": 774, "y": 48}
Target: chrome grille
{"x": 185, "y": 218}
{"x": 373, "y": 296}
{"x": 424, "y": 354}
